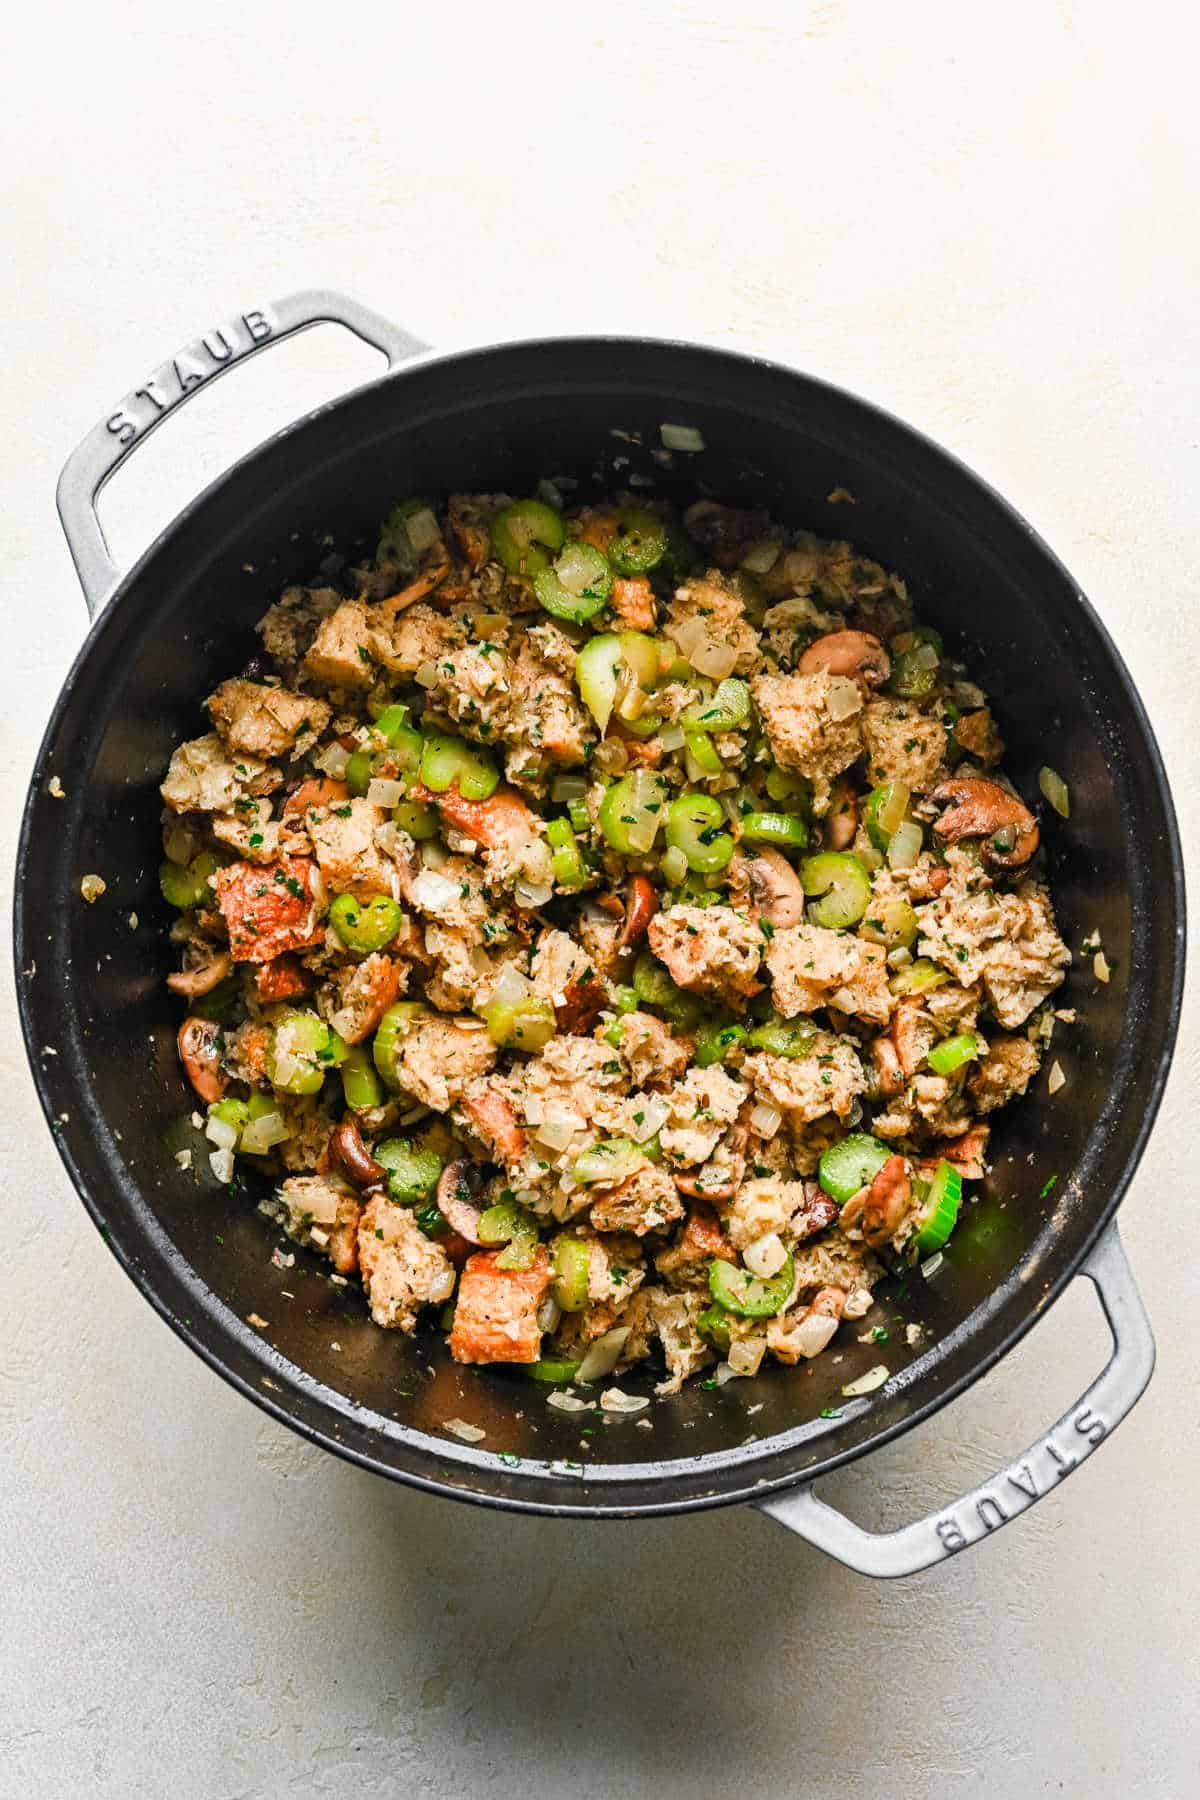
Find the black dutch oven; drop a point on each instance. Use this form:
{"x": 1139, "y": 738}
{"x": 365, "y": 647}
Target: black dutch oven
{"x": 100, "y": 1030}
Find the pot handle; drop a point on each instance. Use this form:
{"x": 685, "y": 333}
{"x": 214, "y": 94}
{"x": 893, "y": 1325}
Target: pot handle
{"x": 173, "y": 383}
{"x": 994, "y": 1503}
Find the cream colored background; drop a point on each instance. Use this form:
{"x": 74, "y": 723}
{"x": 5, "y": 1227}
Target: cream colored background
{"x": 983, "y": 216}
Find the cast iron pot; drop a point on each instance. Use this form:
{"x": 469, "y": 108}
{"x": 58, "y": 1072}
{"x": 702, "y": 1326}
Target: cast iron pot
{"x": 100, "y": 1030}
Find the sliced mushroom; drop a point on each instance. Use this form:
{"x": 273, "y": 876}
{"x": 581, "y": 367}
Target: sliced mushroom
{"x": 470, "y": 529}
{"x": 855, "y": 653}
{"x": 912, "y": 1033}
{"x": 200, "y": 1053}
{"x": 965, "y": 1153}
{"x": 977, "y": 808}
{"x": 841, "y": 821}
{"x": 978, "y": 736}
{"x": 348, "y": 1153}
{"x": 458, "y": 1189}
{"x": 726, "y": 532}
{"x": 641, "y": 904}
{"x": 826, "y": 1303}
{"x": 583, "y": 997}
{"x": 434, "y": 572}
{"x": 887, "y": 1202}
{"x": 890, "y": 1078}
{"x": 774, "y": 888}
{"x": 205, "y": 975}
{"x": 817, "y": 1213}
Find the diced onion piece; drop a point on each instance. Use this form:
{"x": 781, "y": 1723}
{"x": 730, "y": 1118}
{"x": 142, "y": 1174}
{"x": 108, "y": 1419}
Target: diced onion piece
{"x": 568, "y": 787}
{"x": 221, "y": 1164}
{"x": 724, "y": 1372}
{"x": 434, "y": 892}
{"x": 433, "y": 854}
{"x": 714, "y": 659}
{"x": 261, "y": 1135}
{"x": 332, "y": 760}
{"x": 925, "y": 656}
{"x": 568, "y": 1403}
{"x": 655, "y": 1114}
{"x": 931, "y": 1265}
{"x": 1057, "y": 1078}
{"x": 470, "y": 1434}
{"x": 1100, "y": 968}
{"x": 614, "y": 1400}
{"x": 179, "y": 843}
{"x": 422, "y": 528}
{"x": 510, "y": 986}
{"x": 671, "y": 737}
{"x": 681, "y": 437}
{"x": 765, "y": 1256}
{"x": 746, "y": 1354}
{"x": 674, "y": 865}
{"x": 549, "y": 1315}
{"x": 556, "y": 1134}
{"x": 531, "y": 894}
{"x": 811, "y": 1335}
{"x": 221, "y": 1133}
{"x": 899, "y": 958}
{"x": 844, "y": 699}
{"x": 426, "y": 675}
{"x": 765, "y": 1119}
{"x": 603, "y": 1356}
{"x": 1056, "y": 791}
{"x": 761, "y": 556}
{"x": 866, "y": 1384}
{"x": 905, "y": 846}
{"x": 381, "y": 792}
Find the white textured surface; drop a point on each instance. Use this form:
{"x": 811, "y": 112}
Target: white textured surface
{"x": 985, "y": 218}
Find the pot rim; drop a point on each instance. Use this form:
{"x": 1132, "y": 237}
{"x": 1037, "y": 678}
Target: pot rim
{"x": 520, "y": 1487}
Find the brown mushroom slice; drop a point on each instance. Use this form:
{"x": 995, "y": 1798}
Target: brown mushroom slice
{"x": 458, "y": 1188}
{"x": 434, "y": 572}
{"x": 977, "y": 808}
{"x": 641, "y": 904}
{"x": 350, "y": 1155}
{"x": 204, "y": 977}
{"x": 199, "y": 1052}
{"x": 774, "y": 887}
{"x": 855, "y": 653}
{"x": 817, "y": 1213}
{"x": 841, "y": 821}
{"x": 887, "y": 1202}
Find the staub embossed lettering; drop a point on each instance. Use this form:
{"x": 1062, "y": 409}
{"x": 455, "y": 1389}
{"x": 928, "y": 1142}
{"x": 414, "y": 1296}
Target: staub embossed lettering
{"x": 176, "y": 379}
{"x": 992, "y": 1506}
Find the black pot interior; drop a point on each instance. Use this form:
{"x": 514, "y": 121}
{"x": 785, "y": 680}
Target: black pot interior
{"x": 93, "y": 992}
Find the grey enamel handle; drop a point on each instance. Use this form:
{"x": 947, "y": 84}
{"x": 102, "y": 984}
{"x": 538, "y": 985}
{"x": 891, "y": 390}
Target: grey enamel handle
{"x": 173, "y": 383}
{"x": 1113, "y": 1394}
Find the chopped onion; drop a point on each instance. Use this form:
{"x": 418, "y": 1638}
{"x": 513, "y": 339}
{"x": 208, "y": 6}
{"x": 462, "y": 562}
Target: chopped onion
{"x": 426, "y": 675}
{"x": 761, "y": 557}
{"x": 491, "y": 625}
{"x": 765, "y": 1119}
{"x": 548, "y": 494}
{"x": 434, "y": 892}
{"x": 655, "y": 1114}
{"x": 603, "y": 1356}
{"x": 968, "y": 696}
{"x": 530, "y": 894}
{"x": 866, "y": 1384}
{"x": 549, "y": 1315}
{"x": 221, "y": 1164}
{"x": 433, "y": 854}
{"x": 556, "y": 1134}
{"x": 385, "y": 793}
{"x": 671, "y": 737}
{"x": 568, "y": 1403}
{"x": 1057, "y": 1078}
{"x": 568, "y": 787}
{"x": 221, "y": 1133}
{"x": 905, "y": 846}
{"x": 724, "y": 1372}
{"x": 260, "y": 1135}
{"x": 899, "y": 958}
{"x": 765, "y": 1256}
{"x": 333, "y": 759}
{"x": 811, "y": 1334}
{"x": 1056, "y": 791}
{"x": 746, "y": 1354}
{"x": 615, "y": 1401}
{"x": 179, "y": 843}
{"x": 1100, "y": 968}
{"x": 714, "y": 659}
{"x": 931, "y": 1265}
{"x": 681, "y": 437}
{"x": 674, "y": 865}
{"x": 845, "y": 698}
{"x": 858, "y": 1303}
{"x": 423, "y": 532}
{"x": 470, "y": 1434}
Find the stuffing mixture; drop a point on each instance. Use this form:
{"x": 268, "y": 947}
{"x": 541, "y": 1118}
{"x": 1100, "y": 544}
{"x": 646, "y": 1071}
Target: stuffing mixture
{"x": 610, "y": 931}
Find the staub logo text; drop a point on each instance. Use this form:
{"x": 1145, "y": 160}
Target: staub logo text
{"x": 1018, "y": 1487}
{"x": 193, "y": 366}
